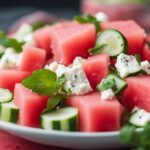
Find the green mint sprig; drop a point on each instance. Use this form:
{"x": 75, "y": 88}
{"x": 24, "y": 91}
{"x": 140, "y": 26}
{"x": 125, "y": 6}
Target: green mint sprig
{"x": 45, "y": 82}
{"x": 88, "y": 19}
{"x": 139, "y": 140}
{"x": 10, "y": 42}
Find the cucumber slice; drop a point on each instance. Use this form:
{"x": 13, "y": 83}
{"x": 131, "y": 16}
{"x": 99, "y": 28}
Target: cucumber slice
{"x": 5, "y": 95}
{"x": 64, "y": 119}
{"x": 9, "y": 112}
{"x": 140, "y": 118}
{"x": 120, "y": 84}
{"x": 114, "y": 41}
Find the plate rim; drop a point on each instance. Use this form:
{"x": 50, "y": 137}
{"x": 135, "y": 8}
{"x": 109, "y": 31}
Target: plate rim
{"x": 5, "y": 125}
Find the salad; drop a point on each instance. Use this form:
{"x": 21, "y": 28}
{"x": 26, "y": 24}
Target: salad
{"x": 85, "y": 75}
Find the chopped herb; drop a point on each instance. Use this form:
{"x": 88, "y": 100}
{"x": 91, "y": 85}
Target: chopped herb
{"x": 97, "y": 49}
{"x": 88, "y": 19}
{"x": 10, "y": 42}
{"x": 1, "y": 54}
{"x": 138, "y": 58}
{"x": 107, "y": 84}
{"x": 39, "y": 25}
{"x": 148, "y": 43}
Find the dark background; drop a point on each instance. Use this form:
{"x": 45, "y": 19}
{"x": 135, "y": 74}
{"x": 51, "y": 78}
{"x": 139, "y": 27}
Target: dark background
{"x": 11, "y": 10}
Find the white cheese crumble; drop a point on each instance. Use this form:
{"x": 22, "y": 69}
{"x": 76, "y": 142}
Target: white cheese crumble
{"x": 145, "y": 65}
{"x": 76, "y": 80}
{"x": 24, "y": 34}
{"x": 140, "y": 117}
{"x": 126, "y": 65}
{"x": 23, "y": 31}
{"x": 102, "y": 17}
{"x": 57, "y": 68}
{"x": 107, "y": 94}
{"x": 10, "y": 59}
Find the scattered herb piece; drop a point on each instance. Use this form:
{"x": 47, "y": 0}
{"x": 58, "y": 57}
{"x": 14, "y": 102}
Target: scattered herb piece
{"x": 138, "y": 58}
{"x": 97, "y": 49}
{"x": 53, "y": 102}
{"x": 148, "y": 43}
{"x": 88, "y": 19}
{"x": 39, "y": 25}
{"x": 10, "y": 42}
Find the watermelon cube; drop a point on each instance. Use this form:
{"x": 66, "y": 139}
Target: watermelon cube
{"x": 8, "y": 78}
{"x": 69, "y": 42}
{"x": 137, "y": 94}
{"x": 145, "y": 53}
{"x": 134, "y": 34}
{"x": 32, "y": 58}
{"x": 31, "y": 105}
{"x": 42, "y": 39}
{"x": 96, "y": 68}
{"x": 96, "y": 115}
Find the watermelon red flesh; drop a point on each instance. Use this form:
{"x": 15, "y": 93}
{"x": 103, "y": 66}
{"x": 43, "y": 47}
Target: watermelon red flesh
{"x": 137, "y": 94}
{"x": 96, "y": 115}
{"x": 42, "y": 39}
{"x": 31, "y": 106}
{"x": 72, "y": 41}
{"x": 42, "y": 36}
{"x": 96, "y": 68}
{"x": 8, "y": 78}
{"x": 134, "y": 34}
{"x": 145, "y": 53}
{"x": 32, "y": 58}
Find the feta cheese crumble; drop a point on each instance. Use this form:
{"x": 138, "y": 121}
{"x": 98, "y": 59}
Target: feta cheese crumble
{"x": 126, "y": 65}
{"x": 140, "y": 117}
{"x": 101, "y": 17}
{"x": 145, "y": 65}
{"x": 57, "y": 68}
{"x": 24, "y": 34}
{"x": 107, "y": 94}
{"x": 10, "y": 59}
{"x": 76, "y": 80}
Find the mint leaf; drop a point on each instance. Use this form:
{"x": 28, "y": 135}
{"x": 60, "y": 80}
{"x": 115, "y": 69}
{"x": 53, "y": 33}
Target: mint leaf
{"x": 80, "y": 19}
{"x": 88, "y": 19}
{"x": 127, "y": 133}
{"x": 10, "y": 42}
{"x": 53, "y": 103}
{"x": 97, "y": 49}
{"x": 148, "y": 43}
{"x": 138, "y": 58}
{"x": 43, "y": 82}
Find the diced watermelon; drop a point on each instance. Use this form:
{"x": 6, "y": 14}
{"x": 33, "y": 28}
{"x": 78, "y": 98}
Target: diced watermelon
{"x": 96, "y": 115}
{"x": 72, "y": 41}
{"x": 137, "y": 94}
{"x": 42, "y": 39}
{"x": 131, "y": 30}
{"x": 32, "y": 58}
{"x": 8, "y": 78}
{"x": 31, "y": 105}
{"x": 145, "y": 53}
{"x": 96, "y": 68}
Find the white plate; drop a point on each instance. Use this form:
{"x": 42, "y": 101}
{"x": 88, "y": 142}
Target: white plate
{"x": 76, "y": 140}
